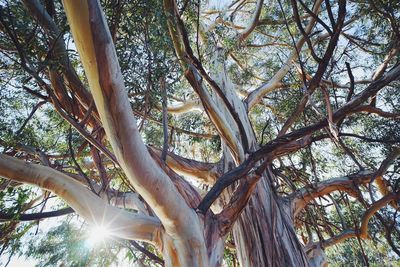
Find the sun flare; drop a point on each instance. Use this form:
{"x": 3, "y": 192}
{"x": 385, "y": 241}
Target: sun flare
{"x": 97, "y": 234}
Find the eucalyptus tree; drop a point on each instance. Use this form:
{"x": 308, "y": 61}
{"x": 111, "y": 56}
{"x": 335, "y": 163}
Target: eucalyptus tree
{"x": 196, "y": 127}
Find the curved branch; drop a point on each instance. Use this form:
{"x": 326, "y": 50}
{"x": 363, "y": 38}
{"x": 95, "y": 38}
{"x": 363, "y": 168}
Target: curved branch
{"x": 255, "y": 96}
{"x": 303, "y": 196}
{"x": 97, "y": 52}
{"x": 275, "y": 145}
{"x": 373, "y": 209}
{"x": 92, "y": 208}
{"x": 363, "y": 231}
{"x": 195, "y": 73}
{"x": 254, "y": 22}
{"x": 377, "y": 111}
{"x": 188, "y": 106}
{"x": 346, "y": 234}
{"x": 236, "y": 204}
{"x": 203, "y": 172}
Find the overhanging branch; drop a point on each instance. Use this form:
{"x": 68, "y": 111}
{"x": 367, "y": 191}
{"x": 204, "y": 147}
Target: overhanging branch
{"x": 302, "y": 197}
{"x": 123, "y": 224}
{"x": 275, "y": 145}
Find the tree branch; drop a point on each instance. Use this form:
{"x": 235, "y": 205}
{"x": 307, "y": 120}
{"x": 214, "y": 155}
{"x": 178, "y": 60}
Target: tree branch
{"x": 34, "y": 216}
{"x": 173, "y": 128}
{"x": 195, "y": 73}
{"x": 254, "y": 22}
{"x": 92, "y": 208}
{"x": 236, "y": 204}
{"x": 315, "y": 81}
{"x": 201, "y": 171}
{"x": 378, "y": 111}
{"x": 185, "y": 107}
{"x": 39, "y": 13}
{"x": 255, "y": 96}
{"x": 373, "y": 209}
{"x": 243, "y": 169}
{"x": 275, "y": 145}
{"x": 98, "y": 55}
{"x": 305, "y": 195}
{"x": 363, "y": 231}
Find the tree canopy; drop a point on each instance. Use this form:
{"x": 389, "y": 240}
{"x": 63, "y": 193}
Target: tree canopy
{"x": 180, "y": 126}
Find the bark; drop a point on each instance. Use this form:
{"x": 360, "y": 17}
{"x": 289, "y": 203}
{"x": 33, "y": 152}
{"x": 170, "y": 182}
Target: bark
{"x": 264, "y": 233}
{"x": 182, "y": 240}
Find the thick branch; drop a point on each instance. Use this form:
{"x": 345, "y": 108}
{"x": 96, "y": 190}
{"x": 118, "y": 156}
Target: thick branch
{"x": 98, "y": 55}
{"x": 315, "y": 81}
{"x": 373, "y": 209}
{"x": 382, "y": 68}
{"x": 187, "y": 106}
{"x": 195, "y": 73}
{"x": 92, "y": 208}
{"x": 363, "y": 231}
{"x": 201, "y": 171}
{"x": 276, "y": 144}
{"x": 243, "y": 169}
{"x": 348, "y": 184}
{"x": 38, "y": 11}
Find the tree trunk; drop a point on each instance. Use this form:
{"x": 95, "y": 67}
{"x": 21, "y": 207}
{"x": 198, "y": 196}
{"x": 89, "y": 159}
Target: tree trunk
{"x": 264, "y": 234}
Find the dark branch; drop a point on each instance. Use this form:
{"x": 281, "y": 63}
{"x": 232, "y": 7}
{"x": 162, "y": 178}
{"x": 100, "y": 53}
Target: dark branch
{"x": 34, "y": 216}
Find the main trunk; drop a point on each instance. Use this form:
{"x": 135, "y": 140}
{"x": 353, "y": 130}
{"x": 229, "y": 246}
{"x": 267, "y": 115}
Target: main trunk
{"x": 264, "y": 233}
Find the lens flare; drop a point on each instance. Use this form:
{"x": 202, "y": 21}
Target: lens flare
{"x": 97, "y": 234}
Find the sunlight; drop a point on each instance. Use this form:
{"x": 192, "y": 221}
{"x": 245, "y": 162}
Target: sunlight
{"x": 97, "y": 234}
